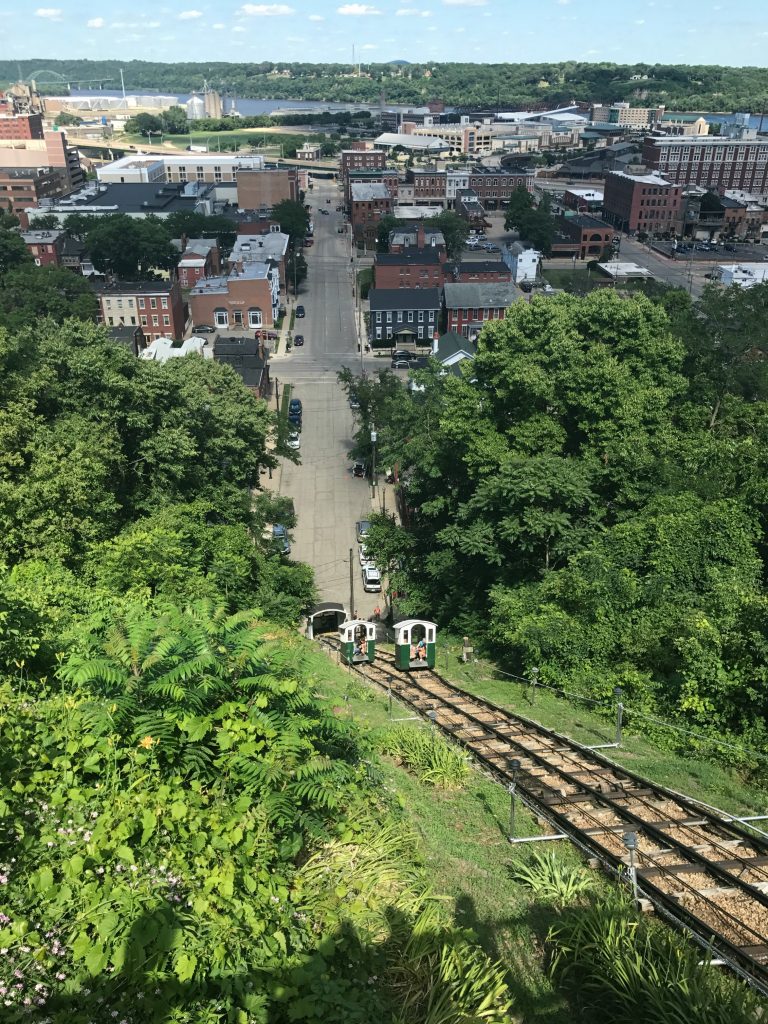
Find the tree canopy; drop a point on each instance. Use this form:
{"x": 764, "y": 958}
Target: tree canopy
{"x": 589, "y": 498}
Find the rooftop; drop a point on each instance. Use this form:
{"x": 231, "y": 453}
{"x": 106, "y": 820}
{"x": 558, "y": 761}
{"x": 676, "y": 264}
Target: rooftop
{"x": 133, "y": 197}
{"x": 134, "y": 287}
{"x": 490, "y": 295}
{"x": 364, "y": 192}
{"x": 409, "y": 236}
{"x": 644, "y": 179}
{"x": 162, "y": 349}
{"x": 483, "y": 267}
{"x": 220, "y": 285}
{"x": 624, "y": 271}
{"x": 404, "y": 298}
{"x": 271, "y": 245}
{"x": 584, "y": 220}
{"x": 41, "y": 237}
{"x": 429, "y": 142}
{"x": 429, "y": 254}
{"x": 417, "y": 213}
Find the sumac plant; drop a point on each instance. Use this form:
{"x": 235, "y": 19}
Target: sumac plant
{"x": 175, "y": 811}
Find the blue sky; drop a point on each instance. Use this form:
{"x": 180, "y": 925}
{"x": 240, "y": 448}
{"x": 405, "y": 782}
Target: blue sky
{"x": 664, "y": 31}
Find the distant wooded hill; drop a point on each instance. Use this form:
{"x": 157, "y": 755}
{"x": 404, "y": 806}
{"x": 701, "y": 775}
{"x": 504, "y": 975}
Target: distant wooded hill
{"x": 691, "y": 88}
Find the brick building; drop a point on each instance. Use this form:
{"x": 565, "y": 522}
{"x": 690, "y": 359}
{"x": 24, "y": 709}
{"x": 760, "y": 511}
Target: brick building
{"x": 494, "y": 187}
{"x": 262, "y": 190}
{"x": 712, "y": 161}
{"x": 45, "y": 246}
{"x": 469, "y": 306}
{"x": 384, "y": 175}
{"x": 21, "y": 126}
{"x": 155, "y": 306}
{"x": 415, "y": 268}
{"x": 479, "y": 271}
{"x": 429, "y": 185}
{"x": 50, "y": 151}
{"x": 200, "y": 257}
{"x": 403, "y": 317}
{"x": 361, "y": 160}
{"x": 268, "y": 247}
{"x": 368, "y": 204}
{"x": 469, "y": 207}
{"x": 642, "y": 202}
{"x": 177, "y": 167}
{"x": 247, "y": 298}
{"x": 22, "y": 188}
{"x": 587, "y": 238}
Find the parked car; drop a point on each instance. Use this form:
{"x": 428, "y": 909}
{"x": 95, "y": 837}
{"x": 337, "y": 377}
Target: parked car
{"x": 325, "y": 213}
{"x": 359, "y": 469}
{"x": 401, "y": 353}
{"x": 730, "y": 248}
{"x": 340, "y": 230}
{"x": 300, "y": 312}
{"x": 338, "y": 209}
{"x": 309, "y": 241}
{"x": 328, "y": 201}
{"x": 204, "y": 329}
{"x": 362, "y": 526}
{"x": 371, "y": 579}
{"x": 294, "y": 406}
{"x": 354, "y": 405}
{"x": 365, "y": 558}
{"x": 400, "y": 364}
{"x": 294, "y": 441}
{"x": 280, "y": 537}
{"x": 298, "y": 341}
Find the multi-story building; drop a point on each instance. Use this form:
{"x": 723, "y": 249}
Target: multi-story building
{"x": 135, "y": 200}
{"x": 267, "y": 247}
{"x": 642, "y": 202}
{"x": 582, "y": 236}
{"x": 244, "y": 298}
{"x": 45, "y": 246}
{"x": 583, "y": 200}
{"x": 414, "y": 268}
{"x": 176, "y": 167}
{"x": 361, "y": 160}
{"x": 494, "y": 187}
{"x": 468, "y": 307}
{"x": 474, "y": 139}
{"x": 25, "y": 188}
{"x": 50, "y": 151}
{"x": 155, "y": 306}
{"x": 368, "y": 204}
{"x": 200, "y": 257}
{"x": 21, "y": 126}
{"x": 429, "y": 186}
{"x": 469, "y": 207}
{"x": 712, "y": 161}
{"x": 456, "y": 180}
{"x": 627, "y": 116}
{"x": 404, "y": 317}
{"x": 263, "y": 189}
{"x": 384, "y": 175}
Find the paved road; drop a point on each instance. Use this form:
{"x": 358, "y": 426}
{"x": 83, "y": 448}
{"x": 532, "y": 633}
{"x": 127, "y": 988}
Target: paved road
{"x": 328, "y": 499}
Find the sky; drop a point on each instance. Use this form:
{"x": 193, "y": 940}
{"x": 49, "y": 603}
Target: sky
{"x": 620, "y": 31}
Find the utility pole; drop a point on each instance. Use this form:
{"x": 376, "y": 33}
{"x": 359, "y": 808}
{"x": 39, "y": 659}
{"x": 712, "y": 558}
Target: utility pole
{"x": 373, "y": 459}
{"x": 351, "y": 584}
{"x": 277, "y": 395}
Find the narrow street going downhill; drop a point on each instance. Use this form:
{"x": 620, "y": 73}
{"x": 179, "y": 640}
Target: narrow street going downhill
{"x": 327, "y": 498}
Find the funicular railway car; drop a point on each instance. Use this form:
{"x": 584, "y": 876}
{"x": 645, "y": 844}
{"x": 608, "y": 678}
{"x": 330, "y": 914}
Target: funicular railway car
{"x": 325, "y": 618}
{"x": 415, "y": 643}
{"x": 358, "y": 642}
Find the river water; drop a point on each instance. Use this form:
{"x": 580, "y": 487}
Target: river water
{"x": 252, "y": 108}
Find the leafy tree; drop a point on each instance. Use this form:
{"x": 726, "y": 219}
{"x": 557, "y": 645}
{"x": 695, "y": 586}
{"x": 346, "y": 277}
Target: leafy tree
{"x": 292, "y": 218}
{"x": 520, "y": 204}
{"x": 386, "y": 225}
{"x": 44, "y": 222}
{"x": 13, "y": 251}
{"x": 174, "y": 121}
{"x": 200, "y": 225}
{"x": 537, "y": 226}
{"x": 30, "y": 293}
{"x": 64, "y": 119}
{"x": 79, "y": 224}
{"x": 455, "y": 231}
{"x": 144, "y": 124}
{"x": 8, "y": 220}
{"x": 131, "y": 248}
{"x": 295, "y": 269}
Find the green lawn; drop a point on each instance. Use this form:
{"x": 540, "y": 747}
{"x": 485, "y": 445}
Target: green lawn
{"x": 270, "y": 141}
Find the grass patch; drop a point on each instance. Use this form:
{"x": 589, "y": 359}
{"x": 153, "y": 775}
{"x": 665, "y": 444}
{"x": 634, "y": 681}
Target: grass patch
{"x": 698, "y": 777}
{"x": 464, "y": 846}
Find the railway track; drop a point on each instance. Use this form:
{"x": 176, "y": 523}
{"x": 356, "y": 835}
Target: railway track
{"x": 706, "y": 873}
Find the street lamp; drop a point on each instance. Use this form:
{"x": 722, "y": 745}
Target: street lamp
{"x": 617, "y": 693}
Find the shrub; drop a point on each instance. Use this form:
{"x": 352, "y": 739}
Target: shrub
{"x": 426, "y": 753}
{"x": 553, "y": 881}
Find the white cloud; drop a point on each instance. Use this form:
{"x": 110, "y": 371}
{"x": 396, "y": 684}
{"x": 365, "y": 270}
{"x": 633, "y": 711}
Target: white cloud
{"x": 95, "y": 23}
{"x": 465, "y": 3}
{"x": 265, "y": 10}
{"x": 190, "y": 15}
{"x": 640, "y": 21}
{"x": 51, "y": 13}
{"x": 239, "y": 28}
{"x": 413, "y": 12}
{"x": 316, "y": 17}
{"x": 563, "y": 3}
{"x": 357, "y": 9}
{"x": 219, "y": 25}
{"x": 369, "y": 46}
{"x": 153, "y": 24}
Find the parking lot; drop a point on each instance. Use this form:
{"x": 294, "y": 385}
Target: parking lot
{"x": 730, "y": 252}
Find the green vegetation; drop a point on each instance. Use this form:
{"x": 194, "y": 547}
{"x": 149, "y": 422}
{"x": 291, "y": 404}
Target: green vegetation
{"x": 535, "y": 224}
{"x": 511, "y": 86}
{"x": 432, "y": 758}
{"x": 188, "y": 832}
{"x": 455, "y": 231}
{"x": 586, "y": 500}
